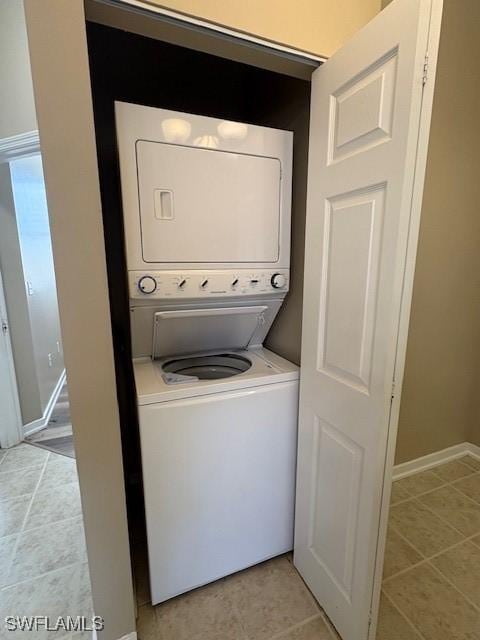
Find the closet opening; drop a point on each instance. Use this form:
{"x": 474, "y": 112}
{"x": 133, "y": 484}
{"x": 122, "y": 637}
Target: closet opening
{"x": 131, "y": 68}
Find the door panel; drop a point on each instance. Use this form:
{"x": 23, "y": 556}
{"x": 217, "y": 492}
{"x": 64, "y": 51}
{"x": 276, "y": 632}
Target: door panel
{"x": 361, "y": 112}
{"x": 364, "y": 140}
{"x": 351, "y": 251}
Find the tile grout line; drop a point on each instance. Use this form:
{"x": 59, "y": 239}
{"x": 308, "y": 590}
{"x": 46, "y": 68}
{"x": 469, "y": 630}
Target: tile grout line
{"x": 35, "y": 491}
{"x": 330, "y": 627}
{"x": 403, "y": 615}
{"x": 419, "y": 495}
{"x": 22, "y": 530}
{"x": 444, "y": 482}
{"x": 27, "y": 513}
{"x": 454, "y": 586}
{"x": 41, "y": 575}
{"x": 425, "y": 558}
{"x": 444, "y": 520}
{"x": 294, "y": 627}
{"x": 55, "y": 522}
{"x": 455, "y": 460}
{"x": 29, "y": 466}
{"x": 463, "y": 495}
{"x": 429, "y": 560}
{"x": 462, "y": 492}
{"x": 41, "y": 526}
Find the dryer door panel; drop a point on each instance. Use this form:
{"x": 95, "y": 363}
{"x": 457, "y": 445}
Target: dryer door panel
{"x": 206, "y": 206}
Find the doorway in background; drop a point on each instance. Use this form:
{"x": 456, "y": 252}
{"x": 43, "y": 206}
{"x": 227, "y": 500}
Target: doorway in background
{"x": 31, "y": 309}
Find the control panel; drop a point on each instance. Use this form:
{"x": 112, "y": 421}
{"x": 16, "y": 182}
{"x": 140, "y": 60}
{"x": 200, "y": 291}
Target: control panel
{"x": 191, "y": 284}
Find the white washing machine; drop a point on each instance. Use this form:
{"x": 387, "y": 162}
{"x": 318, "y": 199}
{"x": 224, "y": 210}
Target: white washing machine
{"x": 207, "y": 221}
{"x": 218, "y": 459}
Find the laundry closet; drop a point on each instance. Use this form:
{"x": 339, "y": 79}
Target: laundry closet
{"x": 216, "y": 485}
{"x": 208, "y": 272}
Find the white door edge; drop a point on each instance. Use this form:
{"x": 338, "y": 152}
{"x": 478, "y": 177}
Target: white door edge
{"x": 10, "y": 434}
{"x": 408, "y": 280}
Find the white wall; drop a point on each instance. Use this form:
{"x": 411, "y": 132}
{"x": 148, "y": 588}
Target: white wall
{"x": 17, "y": 106}
{"x": 440, "y": 405}
{"x": 36, "y": 251}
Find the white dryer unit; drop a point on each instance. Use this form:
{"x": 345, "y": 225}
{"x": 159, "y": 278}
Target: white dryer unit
{"x": 202, "y": 194}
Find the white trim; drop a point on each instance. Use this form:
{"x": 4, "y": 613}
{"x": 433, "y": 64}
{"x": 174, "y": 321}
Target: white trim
{"x": 145, "y": 7}
{"x": 434, "y": 459}
{"x": 19, "y": 146}
{"x": 473, "y": 449}
{"x": 130, "y": 636}
{"x": 41, "y": 423}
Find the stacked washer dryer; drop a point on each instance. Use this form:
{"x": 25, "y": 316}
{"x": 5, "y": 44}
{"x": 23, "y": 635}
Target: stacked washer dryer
{"x": 206, "y": 208}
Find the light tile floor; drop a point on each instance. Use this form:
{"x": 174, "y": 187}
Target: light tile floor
{"x": 431, "y": 581}
{"x": 43, "y": 563}
{"x": 266, "y": 602}
{"x": 431, "y": 588}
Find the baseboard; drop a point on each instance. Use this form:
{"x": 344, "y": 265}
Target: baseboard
{"x": 473, "y": 449}
{"x": 434, "y": 459}
{"x": 41, "y": 423}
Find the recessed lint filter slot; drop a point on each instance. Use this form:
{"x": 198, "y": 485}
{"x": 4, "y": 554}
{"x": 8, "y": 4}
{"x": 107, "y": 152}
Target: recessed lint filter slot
{"x": 163, "y": 204}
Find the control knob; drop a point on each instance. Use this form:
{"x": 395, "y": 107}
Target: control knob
{"x": 147, "y": 284}
{"x": 278, "y": 281}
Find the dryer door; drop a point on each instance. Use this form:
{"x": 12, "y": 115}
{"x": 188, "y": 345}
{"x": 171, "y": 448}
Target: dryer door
{"x": 206, "y": 205}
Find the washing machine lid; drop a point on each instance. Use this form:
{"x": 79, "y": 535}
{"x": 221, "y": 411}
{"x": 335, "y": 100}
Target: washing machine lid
{"x": 197, "y": 330}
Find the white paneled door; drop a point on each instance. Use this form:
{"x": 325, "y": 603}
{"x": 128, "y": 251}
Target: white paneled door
{"x": 369, "y": 130}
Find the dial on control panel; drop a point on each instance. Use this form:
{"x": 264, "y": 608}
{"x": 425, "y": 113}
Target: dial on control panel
{"x": 147, "y": 284}
{"x": 278, "y": 281}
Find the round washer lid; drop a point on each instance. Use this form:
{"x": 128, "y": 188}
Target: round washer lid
{"x": 210, "y": 367}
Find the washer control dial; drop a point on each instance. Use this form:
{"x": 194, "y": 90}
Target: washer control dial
{"x": 278, "y": 281}
{"x": 147, "y": 284}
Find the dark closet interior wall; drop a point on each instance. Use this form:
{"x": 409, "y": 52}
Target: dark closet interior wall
{"x": 141, "y": 70}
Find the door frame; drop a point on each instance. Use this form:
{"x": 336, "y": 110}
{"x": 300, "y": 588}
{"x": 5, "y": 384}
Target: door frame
{"x": 12, "y": 434}
{"x": 406, "y": 297}
{"x": 13, "y": 148}
{"x": 103, "y": 11}
{"x": 105, "y": 516}
{"x": 305, "y": 64}
{"x": 154, "y": 21}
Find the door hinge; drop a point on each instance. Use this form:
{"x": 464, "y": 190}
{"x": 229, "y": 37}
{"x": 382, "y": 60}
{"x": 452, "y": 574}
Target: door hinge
{"x": 369, "y": 623}
{"x": 425, "y": 70}
{"x": 393, "y": 389}
{"x": 4, "y": 326}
